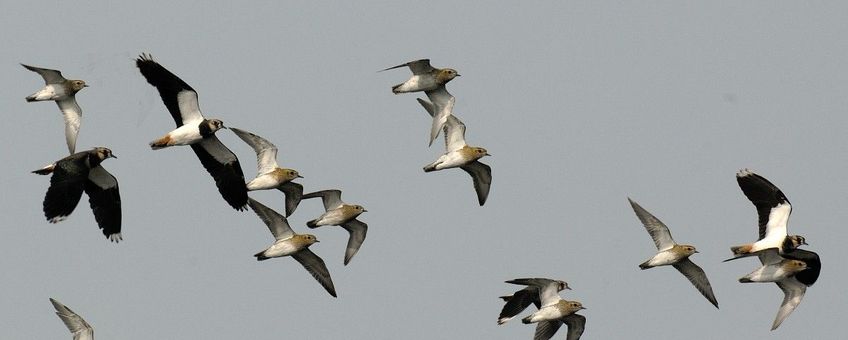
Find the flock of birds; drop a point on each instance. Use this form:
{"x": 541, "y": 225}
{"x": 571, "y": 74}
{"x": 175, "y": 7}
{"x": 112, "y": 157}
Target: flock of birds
{"x": 782, "y": 261}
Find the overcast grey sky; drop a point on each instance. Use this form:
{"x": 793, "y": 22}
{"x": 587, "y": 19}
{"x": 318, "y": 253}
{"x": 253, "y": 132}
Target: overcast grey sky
{"x": 581, "y": 104}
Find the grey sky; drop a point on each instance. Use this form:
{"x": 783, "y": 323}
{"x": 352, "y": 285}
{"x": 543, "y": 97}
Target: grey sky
{"x": 581, "y": 104}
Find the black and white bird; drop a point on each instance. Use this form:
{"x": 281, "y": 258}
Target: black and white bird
{"x": 270, "y": 175}
{"x": 80, "y": 329}
{"x": 80, "y": 172}
{"x": 459, "y": 154}
{"x": 63, "y": 92}
{"x": 341, "y": 214}
{"x": 195, "y": 130}
{"x": 773, "y": 210}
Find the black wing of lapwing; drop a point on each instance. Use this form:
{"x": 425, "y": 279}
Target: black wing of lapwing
{"x": 105, "y": 200}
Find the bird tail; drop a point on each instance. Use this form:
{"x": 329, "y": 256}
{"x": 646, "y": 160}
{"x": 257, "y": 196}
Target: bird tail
{"x": 160, "y": 143}
{"x": 503, "y": 320}
{"x": 645, "y": 265}
{"x": 526, "y": 319}
{"x": 260, "y": 256}
{"x": 431, "y": 167}
{"x": 395, "y": 89}
{"x": 740, "y": 250}
{"x": 745, "y": 280}
{"x": 312, "y": 224}
{"x": 506, "y": 298}
{"x": 30, "y": 98}
{"x": 45, "y": 170}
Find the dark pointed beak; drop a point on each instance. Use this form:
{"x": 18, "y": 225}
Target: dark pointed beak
{"x": 696, "y": 252}
{"x": 299, "y": 176}
{"x": 84, "y": 85}
{"x": 113, "y": 156}
{"x": 488, "y": 154}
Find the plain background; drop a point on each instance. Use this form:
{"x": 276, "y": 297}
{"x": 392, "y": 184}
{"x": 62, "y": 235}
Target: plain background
{"x": 581, "y": 104}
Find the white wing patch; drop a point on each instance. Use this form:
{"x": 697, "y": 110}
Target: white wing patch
{"x": 189, "y": 109}
{"x": 778, "y": 218}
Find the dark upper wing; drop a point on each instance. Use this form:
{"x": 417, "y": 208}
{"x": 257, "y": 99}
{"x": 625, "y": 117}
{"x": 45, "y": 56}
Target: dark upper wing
{"x": 50, "y": 76}
{"x": 546, "y": 329}
{"x": 66, "y": 187}
{"x": 482, "y": 176}
{"x": 179, "y": 97}
{"x": 316, "y": 267}
{"x": 698, "y": 278}
{"x": 807, "y": 276}
{"x": 420, "y": 66}
{"x": 766, "y": 197}
{"x": 331, "y": 198}
{"x": 105, "y": 201}
{"x": 576, "y": 324}
{"x": 519, "y": 301}
{"x": 357, "y": 230}
{"x": 294, "y": 192}
{"x": 224, "y": 167}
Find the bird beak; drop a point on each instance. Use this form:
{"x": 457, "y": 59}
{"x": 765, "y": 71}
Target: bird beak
{"x": 299, "y": 176}
{"x": 487, "y": 154}
{"x": 567, "y": 287}
{"x": 804, "y": 243}
{"x": 696, "y": 252}
{"x": 316, "y": 241}
{"x": 364, "y": 210}
{"x": 458, "y": 75}
{"x": 583, "y": 308}
{"x": 84, "y": 85}
{"x": 113, "y": 156}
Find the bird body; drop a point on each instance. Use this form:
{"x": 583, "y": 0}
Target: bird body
{"x": 63, "y": 92}
{"x": 269, "y": 175}
{"x": 669, "y": 256}
{"x": 188, "y": 134}
{"x": 556, "y": 311}
{"x": 341, "y": 214}
{"x": 424, "y": 77}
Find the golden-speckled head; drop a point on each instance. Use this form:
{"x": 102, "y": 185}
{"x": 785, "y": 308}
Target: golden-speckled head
{"x": 445, "y": 75}
{"x": 289, "y": 174}
{"x": 574, "y": 305}
{"x": 103, "y": 153}
{"x": 77, "y": 85}
{"x": 563, "y": 285}
{"x": 686, "y": 249}
{"x": 796, "y": 266}
{"x": 305, "y": 239}
{"x": 479, "y": 152}
{"x": 358, "y": 208}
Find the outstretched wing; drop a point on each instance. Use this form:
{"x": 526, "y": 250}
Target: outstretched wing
{"x": 658, "y": 230}
{"x": 277, "y": 224}
{"x": 698, "y": 278}
{"x": 75, "y": 323}
{"x": 332, "y": 198}
{"x": 105, "y": 201}
{"x": 72, "y": 114}
{"x": 773, "y": 208}
{"x": 294, "y": 193}
{"x": 266, "y": 152}
{"x": 316, "y": 267}
{"x": 420, "y": 66}
{"x": 482, "y": 176}
{"x": 179, "y": 97}
{"x": 224, "y": 167}
{"x": 793, "y": 292}
{"x": 357, "y": 230}
{"x": 50, "y": 76}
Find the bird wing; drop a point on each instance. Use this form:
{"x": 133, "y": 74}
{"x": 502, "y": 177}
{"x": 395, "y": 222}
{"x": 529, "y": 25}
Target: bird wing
{"x": 277, "y": 224}
{"x": 266, "y": 152}
{"x": 66, "y": 187}
{"x": 698, "y": 278}
{"x": 773, "y": 208}
{"x": 179, "y": 97}
{"x": 519, "y": 301}
{"x": 72, "y": 114}
{"x": 50, "y": 76}
{"x": 546, "y": 329}
{"x": 548, "y": 289}
{"x": 316, "y": 267}
{"x": 75, "y": 323}
{"x": 443, "y": 103}
{"x": 224, "y": 167}
{"x": 658, "y": 230}
{"x": 294, "y": 193}
{"x": 420, "y": 66}
{"x": 357, "y": 230}
{"x": 332, "y": 198}
{"x": 576, "y": 324}
{"x": 793, "y": 292}
{"x": 105, "y": 201}
{"x": 482, "y": 176}
{"x": 453, "y": 127}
